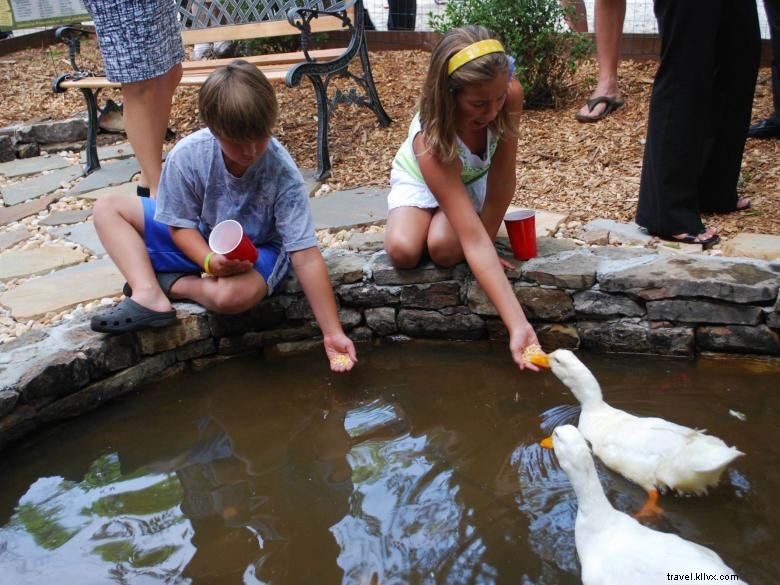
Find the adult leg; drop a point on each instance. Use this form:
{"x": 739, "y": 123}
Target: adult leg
{"x": 678, "y": 125}
{"x": 609, "y": 16}
{"x": 769, "y": 127}
{"x": 147, "y": 110}
{"x": 406, "y": 234}
{"x": 738, "y": 54}
{"x": 119, "y": 222}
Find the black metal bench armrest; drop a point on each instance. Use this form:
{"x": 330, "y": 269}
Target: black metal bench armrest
{"x": 301, "y": 17}
{"x": 71, "y": 35}
{"x": 339, "y": 10}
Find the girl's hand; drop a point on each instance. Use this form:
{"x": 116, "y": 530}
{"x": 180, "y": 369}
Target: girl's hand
{"x": 340, "y": 351}
{"x": 518, "y": 341}
{"x": 506, "y": 264}
{"x": 219, "y": 265}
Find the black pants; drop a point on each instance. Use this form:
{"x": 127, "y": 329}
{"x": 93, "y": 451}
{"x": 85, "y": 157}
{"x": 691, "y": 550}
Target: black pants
{"x": 699, "y": 112}
{"x": 772, "y": 8}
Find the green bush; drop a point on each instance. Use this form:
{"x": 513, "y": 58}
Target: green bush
{"x": 534, "y": 31}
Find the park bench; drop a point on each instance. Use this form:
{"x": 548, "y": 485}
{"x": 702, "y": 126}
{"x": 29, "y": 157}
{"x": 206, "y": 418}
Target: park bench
{"x": 209, "y": 21}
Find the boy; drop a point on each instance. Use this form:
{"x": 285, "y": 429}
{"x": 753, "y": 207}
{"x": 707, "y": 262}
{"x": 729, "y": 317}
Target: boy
{"x": 232, "y": 169}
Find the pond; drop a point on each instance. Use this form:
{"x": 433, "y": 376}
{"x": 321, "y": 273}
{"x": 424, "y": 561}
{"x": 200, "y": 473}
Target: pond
{"x": 421, "y": 466}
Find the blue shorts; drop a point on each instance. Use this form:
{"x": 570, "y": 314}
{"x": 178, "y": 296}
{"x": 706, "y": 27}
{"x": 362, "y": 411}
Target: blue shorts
{"x": 167, "y": 257}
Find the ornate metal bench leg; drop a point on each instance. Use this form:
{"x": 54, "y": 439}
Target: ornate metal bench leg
{"x": 373, "y": 96}
{"x": 93, "y": 163}
{"x": 323, "y": 154}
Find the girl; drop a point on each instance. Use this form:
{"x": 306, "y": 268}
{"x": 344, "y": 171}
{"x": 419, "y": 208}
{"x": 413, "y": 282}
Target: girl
{"x": 454, "y": 177}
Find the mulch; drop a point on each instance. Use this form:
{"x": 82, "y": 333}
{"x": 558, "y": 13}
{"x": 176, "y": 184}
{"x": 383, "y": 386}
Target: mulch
{"x": 588, "y": 171}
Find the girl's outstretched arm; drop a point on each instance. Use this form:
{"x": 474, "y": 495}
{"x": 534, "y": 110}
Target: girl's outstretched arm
{"x": 444, "y": 181}
{"x": 501, "y": 180}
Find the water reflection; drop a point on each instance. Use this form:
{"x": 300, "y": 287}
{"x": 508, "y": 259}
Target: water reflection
{"x": 420, "y": 467}
{"x": 108, "y": 526}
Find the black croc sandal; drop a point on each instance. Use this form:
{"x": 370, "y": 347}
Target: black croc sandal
{"x": 130, "y": 316}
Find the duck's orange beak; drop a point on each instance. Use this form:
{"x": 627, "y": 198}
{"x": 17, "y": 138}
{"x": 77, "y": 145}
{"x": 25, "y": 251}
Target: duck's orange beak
{"x": 540, "y": 359}
{"x": 546, "y": 443}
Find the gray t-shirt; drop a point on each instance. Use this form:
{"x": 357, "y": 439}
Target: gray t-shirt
{"x": 270, "y": 199}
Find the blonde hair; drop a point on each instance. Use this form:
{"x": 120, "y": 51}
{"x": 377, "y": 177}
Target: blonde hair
{"x": 437, "y": 102}
{"x": 238, "y": 103}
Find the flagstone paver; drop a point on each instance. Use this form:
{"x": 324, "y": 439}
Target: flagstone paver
{"x": 32, "y": 188}
{"x": 624, "y": 233}
{"x": 123, "y": 188}
{"x": 9, "y": 238}
{"x": 545, "y": 222}
{"x": 22, "y": 210}
{"x": 32, "y": 166}
{"x": 66, "y": 217}
{"x": 83, "y": 234}
{"x": 114, "y": 173}
{"x": 750, "y": 245}
{"x": 34, "y": 261}
{"x": 350, "y": 208}
{"x": 64, "y": 289}
{"x": 120, "y": 150}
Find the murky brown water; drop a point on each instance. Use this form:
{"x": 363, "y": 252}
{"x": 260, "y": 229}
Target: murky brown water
{"x": 422, "y": 466}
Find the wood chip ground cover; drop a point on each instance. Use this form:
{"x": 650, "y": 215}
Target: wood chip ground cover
{"x": 586, "y": 170}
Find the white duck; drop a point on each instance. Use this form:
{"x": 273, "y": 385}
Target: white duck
{"x": 613, "y": 547}
{"x": 650, "y": 451}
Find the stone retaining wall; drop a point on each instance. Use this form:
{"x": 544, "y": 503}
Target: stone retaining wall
{"x": 602, "y": 298}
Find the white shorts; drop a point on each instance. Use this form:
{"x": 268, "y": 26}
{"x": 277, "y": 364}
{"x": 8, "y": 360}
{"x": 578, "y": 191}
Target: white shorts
{"x": 407, "y": 191}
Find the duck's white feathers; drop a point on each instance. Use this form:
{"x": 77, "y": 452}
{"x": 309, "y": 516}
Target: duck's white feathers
{"x": 650, "y": 451}
{"x": 615, "y": 549}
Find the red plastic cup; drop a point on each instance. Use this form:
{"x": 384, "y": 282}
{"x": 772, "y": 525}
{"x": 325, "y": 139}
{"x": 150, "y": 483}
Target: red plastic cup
{"x": 521, "y": 227}
{"x": 228, "y": 238}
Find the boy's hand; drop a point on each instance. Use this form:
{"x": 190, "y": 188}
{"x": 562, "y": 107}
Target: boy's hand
{"x": 219, "y": 265}
{"x": 340, "y": 351}
{"x": 519, "y": 340}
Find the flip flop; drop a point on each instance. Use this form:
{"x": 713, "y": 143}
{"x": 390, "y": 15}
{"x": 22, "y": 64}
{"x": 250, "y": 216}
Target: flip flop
{"x": 164, "y": 279}
{"x": 706, "y": 242}
{"x": 612, "y": 104}
{"x": 130, "y": 316}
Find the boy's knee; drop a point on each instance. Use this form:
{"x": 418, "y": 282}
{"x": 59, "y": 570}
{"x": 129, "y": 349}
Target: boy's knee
{"x": 104, "y": 208}
{"x": 402, "y": 255}
{"x": 232, "y": 300}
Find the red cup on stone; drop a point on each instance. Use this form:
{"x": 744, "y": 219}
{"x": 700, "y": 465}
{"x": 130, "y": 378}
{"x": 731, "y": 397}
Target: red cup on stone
{"x": 521, "y": 227}
{"x": 228, "y": 238}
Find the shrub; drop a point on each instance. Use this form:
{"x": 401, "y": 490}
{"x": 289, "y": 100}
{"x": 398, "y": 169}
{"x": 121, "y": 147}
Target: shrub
{"x": 534, "y": 31}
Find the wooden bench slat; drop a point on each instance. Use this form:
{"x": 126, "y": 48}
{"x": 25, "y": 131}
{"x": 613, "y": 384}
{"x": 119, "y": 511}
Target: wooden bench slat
{"x": 259, "y": 60}
{"x": 271, "y": 28}
{"x": 192, "y": 77}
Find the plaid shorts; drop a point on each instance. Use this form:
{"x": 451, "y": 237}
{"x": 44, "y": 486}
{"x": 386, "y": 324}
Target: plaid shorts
{"x": 139, "y": 39}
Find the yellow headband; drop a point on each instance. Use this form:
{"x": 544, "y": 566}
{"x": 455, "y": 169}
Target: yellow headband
{"x": 473, "y": 51}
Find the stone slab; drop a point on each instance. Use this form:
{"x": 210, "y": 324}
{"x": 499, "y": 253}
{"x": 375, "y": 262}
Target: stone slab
{"x": 66, "y": 217}
{"x": 737, "y": 281}
{"x": 11, "y": 237}
{"x": 32, "y": 188}
{"x": 312, "y": 184}
{"x": 17, "y": 212}
{"x": 350, "y": 208}
{"x": 83, "y": 234}
{"x": 107, "y": 175}
{"x": 32, "y": 166}
{"x": 372, "y": 241}
{"x": 119, "y": 150}
{"x": 34, "y": 261}
{"x": 64, "y": 289}
{"x": 545, "y": 222}
{"x": 750, "y": 245}
{"x": 122, "y": 189}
